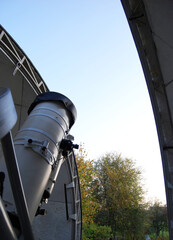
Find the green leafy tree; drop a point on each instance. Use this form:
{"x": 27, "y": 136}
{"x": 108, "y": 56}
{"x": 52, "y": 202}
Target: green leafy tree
{"x": 120, "y": 193}
{"x": 157, "y": 217}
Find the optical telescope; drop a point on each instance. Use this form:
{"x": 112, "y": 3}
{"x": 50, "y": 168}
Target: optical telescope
{"x": 39, "y": 185}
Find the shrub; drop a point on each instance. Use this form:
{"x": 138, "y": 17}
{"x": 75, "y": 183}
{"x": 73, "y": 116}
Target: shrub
{"x": 94, "y": 232}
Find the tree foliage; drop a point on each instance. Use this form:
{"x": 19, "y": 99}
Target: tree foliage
{"x": 86, "y": 177}
{"x": 93, "y": 231}
{"x": 120, "y": 193}
{"x": 112, "y": 199}
{"x": 157, "y": 218}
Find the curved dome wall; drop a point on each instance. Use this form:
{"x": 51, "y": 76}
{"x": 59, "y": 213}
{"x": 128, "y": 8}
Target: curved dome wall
{"x": 18, "y": 73}
{"x": 151, "y": 24}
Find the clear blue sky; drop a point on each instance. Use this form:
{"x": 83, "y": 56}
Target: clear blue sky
{"x": 84, "y": 49}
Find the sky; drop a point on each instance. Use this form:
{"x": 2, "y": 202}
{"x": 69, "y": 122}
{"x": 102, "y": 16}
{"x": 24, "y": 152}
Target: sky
{"x": 84, "y": 49}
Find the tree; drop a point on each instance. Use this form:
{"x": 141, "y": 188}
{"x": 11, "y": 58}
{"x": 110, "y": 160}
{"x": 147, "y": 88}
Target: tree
{"x": 86, "y": 177}
{"x": 157, "y": 214}
{"x": 120, "y": 194}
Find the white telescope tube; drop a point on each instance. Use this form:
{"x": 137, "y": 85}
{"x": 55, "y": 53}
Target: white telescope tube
{"x": 37, "y": 143}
